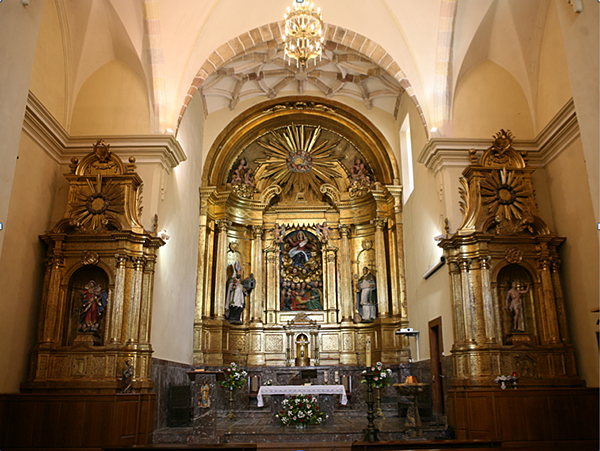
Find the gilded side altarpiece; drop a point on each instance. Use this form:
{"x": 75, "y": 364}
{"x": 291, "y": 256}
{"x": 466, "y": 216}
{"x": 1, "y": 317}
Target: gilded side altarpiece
{"x": 94, "y": 326}
{"x": 298, "y": 197}
{"x": 508, "y": 306}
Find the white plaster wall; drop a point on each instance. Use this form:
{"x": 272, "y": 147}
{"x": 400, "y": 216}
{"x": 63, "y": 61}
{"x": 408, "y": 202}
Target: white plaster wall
{"x": 574, "y": 219}
{"x": 178, "y": 212}
{"x": 423, "y": 217}
{"x": 33, "y": 203}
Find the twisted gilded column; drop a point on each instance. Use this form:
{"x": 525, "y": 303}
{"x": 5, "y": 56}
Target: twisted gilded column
{"x": 116, "y": 310}
{"x": 380, "y": 261}
{"x": 221, "y": 269}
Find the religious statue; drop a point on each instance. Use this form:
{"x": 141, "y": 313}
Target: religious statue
{"x": 94, "y": 301}
{"x": 360, "y": 178}
{"x": 300, "y": 251}
{"x": 236, "y": 292}
{"x": 323, "y": 231}
{"x": 204, "y": 401}
{"x": 127, "y": 377}
{"x": 514, "y": 304}
{"x": 314, "y": 298}
{"x": 278, "y": 233}
{"x": 241, "y": 177}
{"x": 366, "y": 300}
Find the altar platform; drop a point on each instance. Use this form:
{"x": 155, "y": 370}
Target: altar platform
{"x": 260, "y": 430}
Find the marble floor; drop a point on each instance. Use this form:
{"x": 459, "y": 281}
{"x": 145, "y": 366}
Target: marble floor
{"x": 340, "y": 435}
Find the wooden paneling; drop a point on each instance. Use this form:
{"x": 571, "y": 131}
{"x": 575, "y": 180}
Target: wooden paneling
{"x": 525, "y": 415}
{"x": 75, "y": 420}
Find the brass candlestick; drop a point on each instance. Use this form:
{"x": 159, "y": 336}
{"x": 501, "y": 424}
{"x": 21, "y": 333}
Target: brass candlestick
{"x": 230, "y": 416}
{"x": 379, "y": 413}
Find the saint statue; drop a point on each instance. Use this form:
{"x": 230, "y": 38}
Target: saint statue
{"x": 300, "y": 249}
{"x": 514, "y": 304}
{"x": 314, "y": 298}
{"x": 94, "y": 301}
{"x": 236, "y": 292}
{"x": 366, "y": 300}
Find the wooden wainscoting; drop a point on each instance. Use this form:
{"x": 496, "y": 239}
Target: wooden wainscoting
{"x": 525, "y": 415}
{"x": 83, "y": 421}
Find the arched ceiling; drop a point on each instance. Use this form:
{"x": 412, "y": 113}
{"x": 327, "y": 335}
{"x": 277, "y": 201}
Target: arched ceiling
{"x": 168, "y": 41}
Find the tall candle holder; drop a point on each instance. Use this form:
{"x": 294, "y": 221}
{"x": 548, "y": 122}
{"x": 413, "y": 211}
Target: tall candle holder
{"x": 371, "y": 432}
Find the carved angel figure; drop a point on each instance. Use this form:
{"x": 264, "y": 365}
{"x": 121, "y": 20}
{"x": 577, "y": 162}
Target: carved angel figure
{"x": 323, "y": 230}
{"x": 279, "y": 233}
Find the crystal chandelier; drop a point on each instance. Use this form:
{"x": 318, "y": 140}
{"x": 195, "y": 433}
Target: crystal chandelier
{"x": 303, "y": 38}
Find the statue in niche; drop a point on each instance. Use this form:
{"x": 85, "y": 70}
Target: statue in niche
{"x": 236, "y": 292}
{"x": 301, "y": 276}
{"x": 93, "y": 303}
{"x": 366, "y": 299}
{"x": 514, "y": 304}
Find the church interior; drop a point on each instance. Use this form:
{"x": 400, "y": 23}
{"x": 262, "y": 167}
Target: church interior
{"x": 389, "y": 207}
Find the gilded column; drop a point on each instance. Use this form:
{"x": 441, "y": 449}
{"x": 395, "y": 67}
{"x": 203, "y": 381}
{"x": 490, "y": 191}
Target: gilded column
{"x": 221, "y": 269}
{"x": 200, "y": 270}
{"x": 147, "y": 290}
{"x": 56, "y": 266}
{"x": 116, "y": 310}
{"x": 256, "y": 299}
{"x": 272, "y": 288}
{"x": 458, "y": 317}
{"x": 549, "y": 304}
{"x": 347, "y": 296}
{"x": 380, "y": 261}
{"x": 467, "y": 300}
{"x": 330, "y": 297}
{"x": 560, "y": 301}
{"x": 135, "y": 300}
{"x": 208, "y": 272}
{"x": 488, "y": 305}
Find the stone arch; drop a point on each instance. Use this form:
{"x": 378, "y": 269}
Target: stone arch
{"x": 273, "y": 32}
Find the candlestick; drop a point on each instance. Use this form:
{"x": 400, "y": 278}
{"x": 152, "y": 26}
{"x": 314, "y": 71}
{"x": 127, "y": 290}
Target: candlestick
{"x": 336, "y": 377}
{"x": 368, "y": 352}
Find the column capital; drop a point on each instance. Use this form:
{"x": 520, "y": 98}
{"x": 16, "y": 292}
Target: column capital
{"x": 120, "y": 260}
{"x": 139, "y": 263}
{"x": 222, "y": 224}
{"x": 345, "y": 230}
{"x": 257, "y": 232}
{"x": 379, "y": 223}
{"x": 485, "y": 261}
{"x": 464, "y": 264}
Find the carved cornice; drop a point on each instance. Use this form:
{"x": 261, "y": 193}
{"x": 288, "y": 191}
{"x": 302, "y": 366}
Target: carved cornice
{"x": 560, "y": 132}
{"x": 49, "y": 134}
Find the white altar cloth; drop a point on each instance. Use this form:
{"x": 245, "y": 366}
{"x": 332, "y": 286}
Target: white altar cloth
{"x": 304, "y": 389}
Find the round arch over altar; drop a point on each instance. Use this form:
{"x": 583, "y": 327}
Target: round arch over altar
{"x": 300, "y": 199}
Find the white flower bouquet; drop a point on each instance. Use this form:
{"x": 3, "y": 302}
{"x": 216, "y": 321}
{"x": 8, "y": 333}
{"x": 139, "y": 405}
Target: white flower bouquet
{"x": 300, "y": 409}
{"x": 383, "y": 376}
{"x": 234, "y": 377}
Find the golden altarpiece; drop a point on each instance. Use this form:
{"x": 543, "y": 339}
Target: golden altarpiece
{"x": 300, "y": 246}
{"x": 94, "y": 327}
{"x": 508, "y": 306}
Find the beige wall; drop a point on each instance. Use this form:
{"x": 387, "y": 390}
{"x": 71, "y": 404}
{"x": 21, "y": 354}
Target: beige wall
{"x": 487, "y": 99}
{"x": 48, "y": 79}
{"x": 38, "y": 180}
{"x": 175, "y": 284}
{"x": 574, "y": 219}
{"x": 423, "y": 217}
{"x": 112, "y": 101}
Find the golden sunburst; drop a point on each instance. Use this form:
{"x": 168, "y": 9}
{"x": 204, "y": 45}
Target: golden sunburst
{"x": 95, "y": 204}
{"x": 298, "y": 158}
{"x": 505, "y": 193}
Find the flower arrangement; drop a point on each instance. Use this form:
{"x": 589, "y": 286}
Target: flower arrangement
{"x": 383, "y": 376}
{"x": 269, "y": 383}
{"x": 234, "y": 377}
{"x": 300, "y": 410}
{"x": 502, "y": 380}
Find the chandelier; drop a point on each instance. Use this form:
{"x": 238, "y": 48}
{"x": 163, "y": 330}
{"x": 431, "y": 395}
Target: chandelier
{"x": 303, "y": 38}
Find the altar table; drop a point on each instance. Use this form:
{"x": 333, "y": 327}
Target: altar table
{"x": 326, "y": 398}
{"x": 304, "y": 389}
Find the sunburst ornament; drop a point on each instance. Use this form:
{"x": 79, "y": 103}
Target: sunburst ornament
{"x": 299, "y": 158}
{"x": 95, "y": 205}
{"x": 506, "y": 195}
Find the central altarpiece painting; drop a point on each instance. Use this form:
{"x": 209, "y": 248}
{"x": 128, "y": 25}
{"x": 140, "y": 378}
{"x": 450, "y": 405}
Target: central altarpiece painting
{"x": 300, "y": 248}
